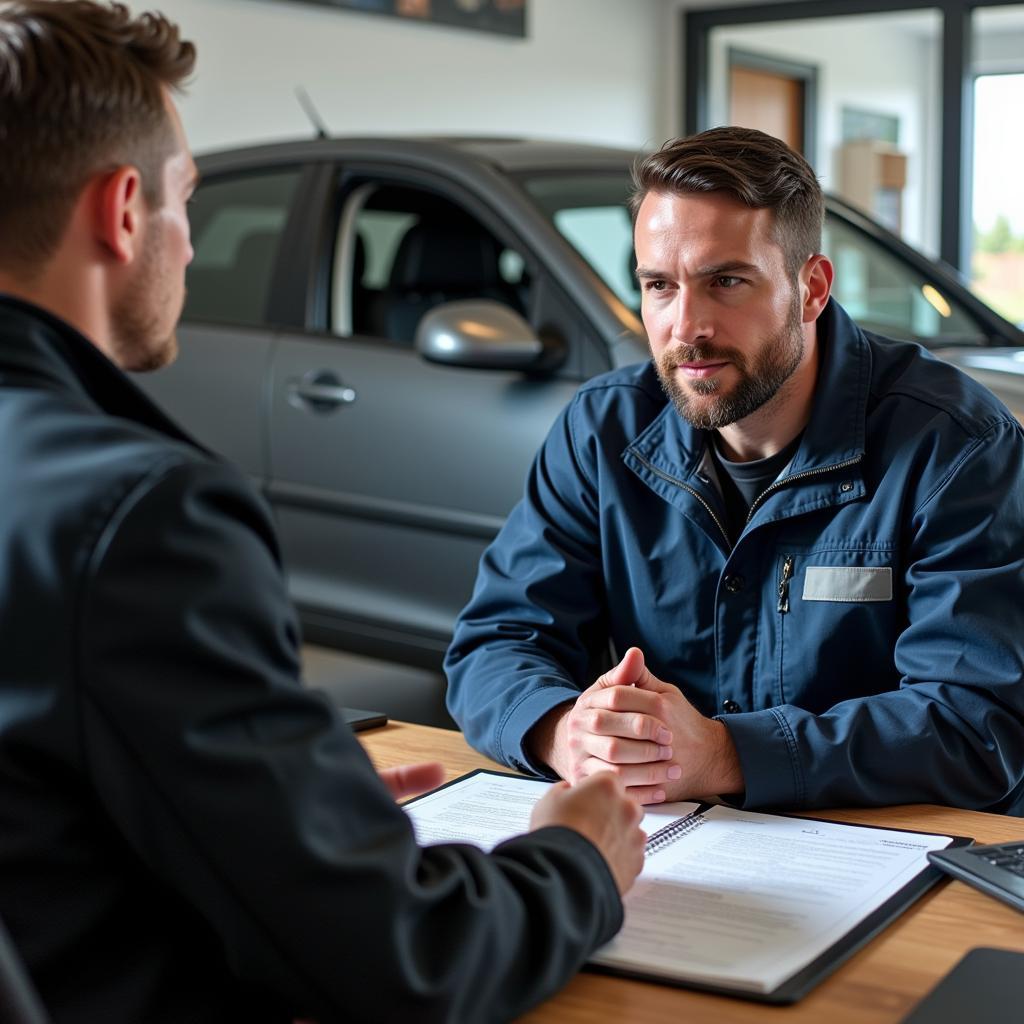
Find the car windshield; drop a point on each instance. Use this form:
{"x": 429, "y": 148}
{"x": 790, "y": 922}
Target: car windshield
{"x": 879, "y": 289}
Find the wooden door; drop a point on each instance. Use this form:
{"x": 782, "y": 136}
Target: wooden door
{"x": 772, "y": 102}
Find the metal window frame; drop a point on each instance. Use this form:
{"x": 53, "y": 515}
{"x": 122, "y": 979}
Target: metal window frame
{"x": 957, "y": 88}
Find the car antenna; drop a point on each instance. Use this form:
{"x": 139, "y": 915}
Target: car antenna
{"x": 311, "y": 112}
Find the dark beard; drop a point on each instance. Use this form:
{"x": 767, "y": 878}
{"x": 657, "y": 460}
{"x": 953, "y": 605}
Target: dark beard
{"x": 758, "y": 384}
{"x": 140, "y": 344}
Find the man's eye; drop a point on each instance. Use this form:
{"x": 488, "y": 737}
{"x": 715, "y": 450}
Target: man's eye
{"x": 655, "y": 286}
{"x": 726, "y": 281}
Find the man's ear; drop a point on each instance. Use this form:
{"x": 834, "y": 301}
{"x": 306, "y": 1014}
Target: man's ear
{"x": 815, "y": 285}
{"x": 117, "y": 212}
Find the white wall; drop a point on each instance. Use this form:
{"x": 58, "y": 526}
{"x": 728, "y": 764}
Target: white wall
{"x": 588, "y": 70}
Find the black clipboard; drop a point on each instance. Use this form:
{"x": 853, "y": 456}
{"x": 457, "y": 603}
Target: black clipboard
{"x": 797, "y": 985}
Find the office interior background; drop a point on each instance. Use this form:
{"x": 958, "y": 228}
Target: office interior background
{"x": 906, "y": 109}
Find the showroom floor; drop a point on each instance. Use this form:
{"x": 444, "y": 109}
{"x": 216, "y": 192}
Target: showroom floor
{"x": 412, "y": 694}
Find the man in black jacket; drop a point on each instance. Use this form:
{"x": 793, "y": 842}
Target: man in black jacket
{"x": 185, "y": 833}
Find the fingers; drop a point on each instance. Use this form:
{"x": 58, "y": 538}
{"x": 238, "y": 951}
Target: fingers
{"x": 624, "y": 711}
{"x": 626, "y": 673}
{"x": 410, "y": 779}
{"x": 617, "y": 750}
{"x": 649, "y": 777}
{"x": 647, "y": 795}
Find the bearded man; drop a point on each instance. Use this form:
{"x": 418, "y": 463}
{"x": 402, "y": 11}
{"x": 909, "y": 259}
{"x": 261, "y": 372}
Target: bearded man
{"x": 805, "y": 542}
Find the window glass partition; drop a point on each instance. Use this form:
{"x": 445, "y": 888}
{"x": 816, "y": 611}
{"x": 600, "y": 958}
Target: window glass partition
{"x": 997, "y": 200}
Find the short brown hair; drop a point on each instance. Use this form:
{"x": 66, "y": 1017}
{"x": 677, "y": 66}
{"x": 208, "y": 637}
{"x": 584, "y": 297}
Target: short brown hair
{"x": 752, "y": 167}
{"x": 81, "y": 90}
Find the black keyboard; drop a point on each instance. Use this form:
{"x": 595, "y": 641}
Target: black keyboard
{"x": 997, "y": 869}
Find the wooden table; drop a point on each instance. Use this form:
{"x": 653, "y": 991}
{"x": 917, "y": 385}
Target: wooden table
{"x": 879, "y": 984}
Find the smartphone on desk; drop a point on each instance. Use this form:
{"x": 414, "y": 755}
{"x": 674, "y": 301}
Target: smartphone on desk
{"x": 359, "y": 719}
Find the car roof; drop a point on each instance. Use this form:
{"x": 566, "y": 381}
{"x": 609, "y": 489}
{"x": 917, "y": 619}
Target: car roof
{"x": 512, "y": 155}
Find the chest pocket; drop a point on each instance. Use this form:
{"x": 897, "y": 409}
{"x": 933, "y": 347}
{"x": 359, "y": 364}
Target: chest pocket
{"x": 837, "y": 615}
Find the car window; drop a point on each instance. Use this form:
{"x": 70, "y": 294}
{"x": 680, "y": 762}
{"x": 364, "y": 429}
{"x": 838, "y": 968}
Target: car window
{"x": 884, "y": 294}
{"x": 401, "y": 251}
{"x": 237, "y": 225}
{"x": 590, "y": 211}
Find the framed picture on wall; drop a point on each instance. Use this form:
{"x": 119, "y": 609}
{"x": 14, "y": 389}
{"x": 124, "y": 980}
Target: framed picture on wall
{"x": 506, "y": 17}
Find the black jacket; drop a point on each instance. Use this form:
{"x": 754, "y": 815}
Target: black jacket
{"x": 186, "y": 835}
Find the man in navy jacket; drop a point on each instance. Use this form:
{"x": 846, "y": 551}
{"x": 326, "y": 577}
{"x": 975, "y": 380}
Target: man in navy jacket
{"x": 805, "y": 542}
{"x": 185, "y": 833}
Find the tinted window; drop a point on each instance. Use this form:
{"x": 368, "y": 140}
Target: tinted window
{"x": 237, "y": 226}
{"x": 402, "y": 251}
{"x": 590, "y": 211}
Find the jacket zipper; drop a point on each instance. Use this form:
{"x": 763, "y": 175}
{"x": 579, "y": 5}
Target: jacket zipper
{"x": 787, "y": 575}
{"x": 757, "y": 501}
{"x": 798, "y": 476}
{"x": 689, "y": 490}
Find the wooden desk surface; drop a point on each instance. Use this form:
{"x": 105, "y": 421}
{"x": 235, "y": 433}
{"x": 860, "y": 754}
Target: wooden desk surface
{"x": 879, "y": 984}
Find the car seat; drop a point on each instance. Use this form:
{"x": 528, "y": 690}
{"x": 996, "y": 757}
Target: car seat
{"x": 440, "y": 262}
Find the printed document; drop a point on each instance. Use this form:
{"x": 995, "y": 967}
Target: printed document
{"x": 729, "y": 899}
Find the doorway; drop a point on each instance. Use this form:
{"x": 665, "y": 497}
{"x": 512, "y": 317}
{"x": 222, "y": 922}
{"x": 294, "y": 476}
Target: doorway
{"x": 774, "y": 95}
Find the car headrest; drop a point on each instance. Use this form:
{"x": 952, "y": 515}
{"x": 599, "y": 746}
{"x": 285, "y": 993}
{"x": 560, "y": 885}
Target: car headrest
{"x": 443, "y": 256}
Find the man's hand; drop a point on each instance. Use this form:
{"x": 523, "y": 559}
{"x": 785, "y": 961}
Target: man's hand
{"x": 410, "y": 779}
{"x": 599, "y": 809}
{"x": 646, "y": 732}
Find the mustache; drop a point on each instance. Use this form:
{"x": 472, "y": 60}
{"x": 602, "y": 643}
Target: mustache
{"x": 701, "y": 354}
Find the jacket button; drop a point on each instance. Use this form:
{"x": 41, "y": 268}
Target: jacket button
{"x": 730, "y": 707}
{"x": 846, "y": 486}
{"x": 734, "y": 584}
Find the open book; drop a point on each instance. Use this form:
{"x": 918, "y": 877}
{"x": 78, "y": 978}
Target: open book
{"x": 757, "y": 905}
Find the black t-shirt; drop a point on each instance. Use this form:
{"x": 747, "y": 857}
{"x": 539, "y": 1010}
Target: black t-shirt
{"x": 743, "y": 482}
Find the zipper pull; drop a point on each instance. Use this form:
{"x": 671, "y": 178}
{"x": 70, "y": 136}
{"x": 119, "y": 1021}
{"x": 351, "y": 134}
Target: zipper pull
{"x": 787, "y": 575}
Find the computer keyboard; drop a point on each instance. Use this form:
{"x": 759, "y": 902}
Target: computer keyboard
{"x": 997, "y": 869}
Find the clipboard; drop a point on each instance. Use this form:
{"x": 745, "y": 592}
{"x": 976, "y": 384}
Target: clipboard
{"x": 811, "y": 972}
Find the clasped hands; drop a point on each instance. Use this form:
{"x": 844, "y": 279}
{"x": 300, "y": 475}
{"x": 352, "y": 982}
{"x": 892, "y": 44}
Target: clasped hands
{"x": 643, "y": 730}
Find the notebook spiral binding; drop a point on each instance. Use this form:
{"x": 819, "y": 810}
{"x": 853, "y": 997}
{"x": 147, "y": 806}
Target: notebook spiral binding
{"x": 671, "y": 832}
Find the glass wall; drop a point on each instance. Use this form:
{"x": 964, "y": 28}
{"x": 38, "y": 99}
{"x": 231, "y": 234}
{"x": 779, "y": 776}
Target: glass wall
{"x": 871, "y": 101}
{"x": 997, "y": 208}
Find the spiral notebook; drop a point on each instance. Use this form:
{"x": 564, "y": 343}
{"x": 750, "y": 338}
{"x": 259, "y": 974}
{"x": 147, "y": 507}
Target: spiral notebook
{"x": 762, "y": 906}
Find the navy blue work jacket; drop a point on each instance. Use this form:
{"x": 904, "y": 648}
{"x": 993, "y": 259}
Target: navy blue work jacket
{"x": 863, "y": 640}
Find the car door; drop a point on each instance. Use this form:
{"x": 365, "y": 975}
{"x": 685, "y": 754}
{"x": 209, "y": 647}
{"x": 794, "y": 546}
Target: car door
{"x": 216, "y": 388}
{"x": 389, "y": 474}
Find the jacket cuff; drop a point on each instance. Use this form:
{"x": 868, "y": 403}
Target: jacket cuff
{"x": 521, "y": 719}
{"x": 576, "y": 850}
{"x": 768, "y": 759}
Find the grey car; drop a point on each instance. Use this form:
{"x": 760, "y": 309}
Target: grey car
{"x": 380, "y": 332}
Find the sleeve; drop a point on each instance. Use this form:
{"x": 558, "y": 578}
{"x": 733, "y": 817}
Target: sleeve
{"x": 536, "y": 626}
{"x": 250, "y": 797}
{"x": 953, "y": 733}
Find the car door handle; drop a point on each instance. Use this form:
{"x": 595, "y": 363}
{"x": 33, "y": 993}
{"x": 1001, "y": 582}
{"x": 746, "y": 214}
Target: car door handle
{"x": 321, "y": 390}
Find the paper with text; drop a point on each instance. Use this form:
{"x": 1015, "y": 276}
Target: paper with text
{"x": 748, "y": 900}
{"x": 736, "y": 899}
{"x": 484, "y": 810}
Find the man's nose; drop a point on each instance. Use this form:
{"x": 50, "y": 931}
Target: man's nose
{"x": 692, "y": 322}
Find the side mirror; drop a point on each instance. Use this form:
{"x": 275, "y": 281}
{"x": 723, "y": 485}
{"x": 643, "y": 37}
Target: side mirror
{"x": 486, "y": 335}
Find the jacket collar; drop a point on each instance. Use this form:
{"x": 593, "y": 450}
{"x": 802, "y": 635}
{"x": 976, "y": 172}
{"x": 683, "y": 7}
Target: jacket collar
{"x": 834, "y": 434}
{"x": 41, "y": 350}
